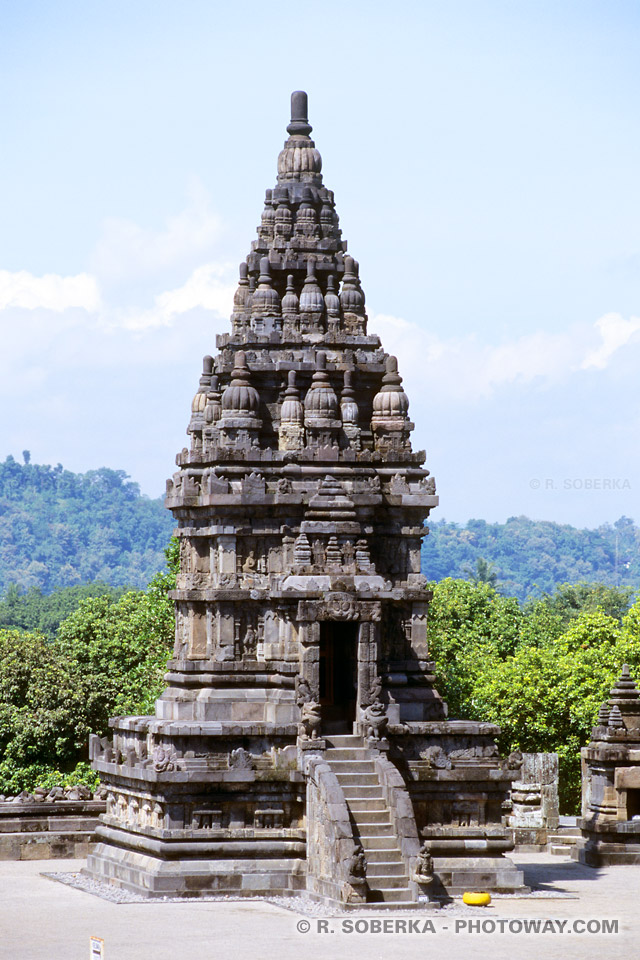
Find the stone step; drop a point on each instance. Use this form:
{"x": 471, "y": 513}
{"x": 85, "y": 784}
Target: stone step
{"x": 560, "y": 849}
{"x": 350, "y": 745}
{"x": 337, "y": 756}
{"x": 354, "y": 792}
{"x": 375, "y": 830}
{"x": 569, "y": 839}
{"x": 345, "y": 740}
{"x": 357, "y": 779}
{"x": 364, "y": 818}
{"x": 375, "y": 805}
{"x": 389, "y": 882}
{"x": 401, "y": 906}
{"x": 386, "y": 868}
{"x": 379, "y": 843}
{"x": 402, "y": 895}
{"x": 352, "y": 766}
{"x": 383, "y": 855}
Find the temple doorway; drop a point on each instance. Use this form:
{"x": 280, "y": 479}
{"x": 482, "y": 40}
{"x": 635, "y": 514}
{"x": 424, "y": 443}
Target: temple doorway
{"x": 338, "y": 676}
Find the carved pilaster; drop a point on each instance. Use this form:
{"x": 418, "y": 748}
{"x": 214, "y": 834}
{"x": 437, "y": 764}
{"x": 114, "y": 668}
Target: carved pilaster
{"x": 309, "y": 634}
{"x": 368, "y": 681}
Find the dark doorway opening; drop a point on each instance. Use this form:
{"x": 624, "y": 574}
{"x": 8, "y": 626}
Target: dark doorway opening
{"x": 338, "y": 676}
{"x": 633, "y": 804}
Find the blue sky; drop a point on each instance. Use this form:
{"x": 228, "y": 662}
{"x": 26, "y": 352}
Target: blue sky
{"x": 484, "y": 157}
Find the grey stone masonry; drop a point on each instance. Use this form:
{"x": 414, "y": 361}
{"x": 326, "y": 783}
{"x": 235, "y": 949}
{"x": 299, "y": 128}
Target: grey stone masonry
{"x": 534, "y": 796}
{"x": 47, "y": 825}
{"x": 301, "y": 610}
{"x": 610, "y": 823}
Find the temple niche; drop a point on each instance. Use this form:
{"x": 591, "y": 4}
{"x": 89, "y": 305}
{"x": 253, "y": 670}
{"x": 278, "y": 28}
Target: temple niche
{"x": 300, "y": 743}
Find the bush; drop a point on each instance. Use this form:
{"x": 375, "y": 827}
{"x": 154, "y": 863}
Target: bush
{"x": 107, "y": 659}
{"x": 541, "y": 673}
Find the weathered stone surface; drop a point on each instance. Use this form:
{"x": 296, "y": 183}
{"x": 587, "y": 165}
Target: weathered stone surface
{"x": 610, "y": 823}
{"x": 301, "y": 610}
{"x": 534, "y": 799}
{"x": 48, "y": 824}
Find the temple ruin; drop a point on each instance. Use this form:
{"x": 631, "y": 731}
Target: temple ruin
{"x": 300, "y": 744}
{"x": 610, "y": 822}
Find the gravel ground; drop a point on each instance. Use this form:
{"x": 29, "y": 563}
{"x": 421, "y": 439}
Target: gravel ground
{"x": 302, "y": 905}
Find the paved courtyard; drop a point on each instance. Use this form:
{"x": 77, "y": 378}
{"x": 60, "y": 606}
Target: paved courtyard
{"x": 44, "y": 920}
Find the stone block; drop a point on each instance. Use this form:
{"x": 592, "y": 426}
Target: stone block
{"x": 255, "y": 882}
{"x": 36, "y": 850}
{"x": 10, "y": 848}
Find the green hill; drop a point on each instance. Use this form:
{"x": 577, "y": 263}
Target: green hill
{"x": 61, "y": 529}
{"x": 530, "y": 557}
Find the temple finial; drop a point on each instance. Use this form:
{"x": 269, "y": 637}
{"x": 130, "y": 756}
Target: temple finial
{"x": 299, "y": 119}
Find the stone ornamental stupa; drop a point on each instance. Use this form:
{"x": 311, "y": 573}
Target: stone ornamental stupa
{"x": 610, "y": 823}
{"x": 300, "y": 743}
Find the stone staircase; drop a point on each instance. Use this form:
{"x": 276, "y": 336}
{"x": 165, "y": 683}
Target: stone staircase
{"x": 354, "y": 767}
{"x": 561, "y": 844}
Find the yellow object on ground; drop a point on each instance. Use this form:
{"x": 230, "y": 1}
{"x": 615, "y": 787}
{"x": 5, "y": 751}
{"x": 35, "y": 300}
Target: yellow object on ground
{"x": 476, "y": 899}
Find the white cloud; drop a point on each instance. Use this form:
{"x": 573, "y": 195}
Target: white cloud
{"x": 63, "y": 335}
{"x": 616, "y": 332}
{"x": 49, "y": 292}
{"x": 128, "y": 251}
{"x": 209, "y": 287}
{"x": 465, "y": 368}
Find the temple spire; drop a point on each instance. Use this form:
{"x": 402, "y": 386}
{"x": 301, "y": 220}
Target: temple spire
{"x": 299, "y": 160}
{"x": 299, "y": 125}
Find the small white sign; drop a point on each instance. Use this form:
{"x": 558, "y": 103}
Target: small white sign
{"x": 96, "y": 946}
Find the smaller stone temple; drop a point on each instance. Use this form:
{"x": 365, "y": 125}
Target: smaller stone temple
{"x": 610, "y": 821}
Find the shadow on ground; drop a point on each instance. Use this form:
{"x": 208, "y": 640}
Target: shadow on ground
{"x": 551, "y": 876}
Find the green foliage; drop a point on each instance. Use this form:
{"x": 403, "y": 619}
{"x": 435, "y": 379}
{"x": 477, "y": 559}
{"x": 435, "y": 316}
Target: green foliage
{"x": 38, "y": 700}
{"x": 14, "y": 779}
{"x": 572, "y": 599}
{"x": 62, "y": 529}
{"x": 546, "y": 697}
{"x": 468, "y": 623}
{"x": 484, "y": 572}
{"x": 43, "y": 613}
{"x": 541, "y": 673}
{"x": 107, "y": 659}
{"x": 532, "y": 557}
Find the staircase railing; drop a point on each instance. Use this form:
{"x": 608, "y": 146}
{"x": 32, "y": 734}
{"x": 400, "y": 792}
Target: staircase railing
{"x": 332, "y": 859}
{"x": 401, "y": 813}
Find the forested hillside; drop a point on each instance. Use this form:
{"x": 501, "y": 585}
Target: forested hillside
{"x": 530, "y": 557}
{"x": 60, "y": 529}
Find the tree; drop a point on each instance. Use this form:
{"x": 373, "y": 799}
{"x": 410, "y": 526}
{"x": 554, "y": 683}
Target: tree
{"x": 39, "y": 706}
{"x": 34, "y": 611}
{"x": 569, "y": 600}
{"x": 60, "y": 529}
{"x": 107, "y": 659}
{"x": 484, "y": 572}
{"x": 470, "y": 624}
{"x": 532, "y": 557}
{"x": 541, "y": 673}
{"x": 546, "y": 696}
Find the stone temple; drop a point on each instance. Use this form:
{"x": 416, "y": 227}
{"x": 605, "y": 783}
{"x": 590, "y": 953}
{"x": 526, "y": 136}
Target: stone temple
{"x": 610, "y": 822}
{"x": 300, "y": 744}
